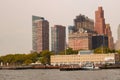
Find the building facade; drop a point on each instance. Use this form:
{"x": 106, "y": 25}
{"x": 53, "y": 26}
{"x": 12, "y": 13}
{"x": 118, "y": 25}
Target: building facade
{"x": 71, "y": 29}
{"x": 99, "y": 21}
{"x": 118, "y": 32}
{"x": 80, "y": 36}
{"x": 40, "y": 34}
{"x": 80, "y": 41}
{"x": 117, "y": 45}
{"x": 108, "y": 32}
{"x": 58, "y": 38}
{"x": 81, "y": 21}
{"x": 85, "y": 58}
{"x": 103, "y": 29}
{"x": 99, "y": 41}
{"x": 34, "y": 33}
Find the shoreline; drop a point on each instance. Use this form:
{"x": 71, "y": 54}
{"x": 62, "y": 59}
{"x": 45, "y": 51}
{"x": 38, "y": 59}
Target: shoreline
{"x": 61, "y": 68}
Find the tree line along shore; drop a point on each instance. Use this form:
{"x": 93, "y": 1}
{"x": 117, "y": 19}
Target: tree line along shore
{"x": 42, "y": 57}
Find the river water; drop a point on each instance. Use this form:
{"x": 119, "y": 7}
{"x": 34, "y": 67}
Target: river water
{"x": 55, "y": 74}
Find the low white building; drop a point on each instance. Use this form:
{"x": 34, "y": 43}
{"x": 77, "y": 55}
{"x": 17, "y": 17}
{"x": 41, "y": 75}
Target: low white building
{"x": 85, "y": 58}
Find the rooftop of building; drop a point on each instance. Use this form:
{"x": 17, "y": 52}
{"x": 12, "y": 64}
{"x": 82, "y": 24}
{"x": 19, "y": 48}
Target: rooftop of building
{"x": 83, "y": 18}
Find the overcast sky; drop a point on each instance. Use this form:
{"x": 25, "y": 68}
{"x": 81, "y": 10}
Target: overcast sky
{"x": 16, "y": 18}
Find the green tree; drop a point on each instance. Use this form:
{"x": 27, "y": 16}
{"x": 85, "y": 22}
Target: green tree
{"x": 62, "y": 53}
{"x": 45, "y": 57}
{"x": 28, "y": 61}
{"x": 12, "y": 59}
{"x": 68, "y": 51}
{"x": 19, "y": 59}
{"x": 33, "y": 57}
{"x": 118, "y": 51}
{"x": 103, "y": 50}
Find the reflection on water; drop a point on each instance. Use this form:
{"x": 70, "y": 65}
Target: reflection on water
{"x": 59, "y": 75}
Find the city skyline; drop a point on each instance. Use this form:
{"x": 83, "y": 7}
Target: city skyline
{"x": 16, "y": 27}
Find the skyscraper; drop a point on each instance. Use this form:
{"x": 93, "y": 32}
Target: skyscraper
{"x": 40, "y": 34}
{"x": 103, "y": 29}
{"x": 118, "y": 32}
{"x": 108, "y": 32}
{"x": 58, "y": 38}
{"x": 117, "y": 45}
{"x": 99, "y": 21}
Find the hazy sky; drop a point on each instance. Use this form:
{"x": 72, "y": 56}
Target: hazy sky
{"x": 16, "y": 18}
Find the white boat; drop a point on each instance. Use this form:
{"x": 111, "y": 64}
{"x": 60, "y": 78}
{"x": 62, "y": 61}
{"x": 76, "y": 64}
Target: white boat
{"x": 89, "y": 66}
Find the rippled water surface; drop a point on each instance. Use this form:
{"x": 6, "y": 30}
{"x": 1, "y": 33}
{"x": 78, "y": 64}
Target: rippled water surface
{"x": 59, "y": 75}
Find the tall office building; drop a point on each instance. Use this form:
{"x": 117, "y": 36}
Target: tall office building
{"x": 118, "y": 32}
{"x": 117, "y": 45}
{"x": 103, "y": 29}
{"x": 58, "y": 38}
{"x": 40, "y": 34}
{"x": 99, "y": 21}
{"x": 83, "y": 22}
{"x": 108, "y": 32}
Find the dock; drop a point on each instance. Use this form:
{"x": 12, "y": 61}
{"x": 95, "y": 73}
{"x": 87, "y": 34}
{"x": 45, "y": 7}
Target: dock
{"x": 110, "y": 66}
{"x": 28, "y": 67}
{"x": 70, "y": 67}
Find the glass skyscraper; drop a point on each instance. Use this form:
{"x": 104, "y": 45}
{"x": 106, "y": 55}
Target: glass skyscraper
{"x": 40, "y": 34}
{"x": 118, "y": 32}
{"x": 58, "y": 38}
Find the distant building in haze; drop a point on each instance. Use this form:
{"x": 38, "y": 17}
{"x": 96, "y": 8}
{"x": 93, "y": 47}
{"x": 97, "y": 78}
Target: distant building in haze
{"x": 118, "y": 32}
{"x": 71, "y": 29}
{"x": 117, "y": 45}
{"x": 40, "y": 34}
{"x": 58, "y": 38}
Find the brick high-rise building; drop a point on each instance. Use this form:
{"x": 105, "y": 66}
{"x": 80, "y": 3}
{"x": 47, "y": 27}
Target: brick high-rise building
{"x": 101, "y": 28}
{"x": 58, "y": 38}
{"x": 40, "y": 34}
{"x": 108, "y": 32}
{"x": 99, "y": 21}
